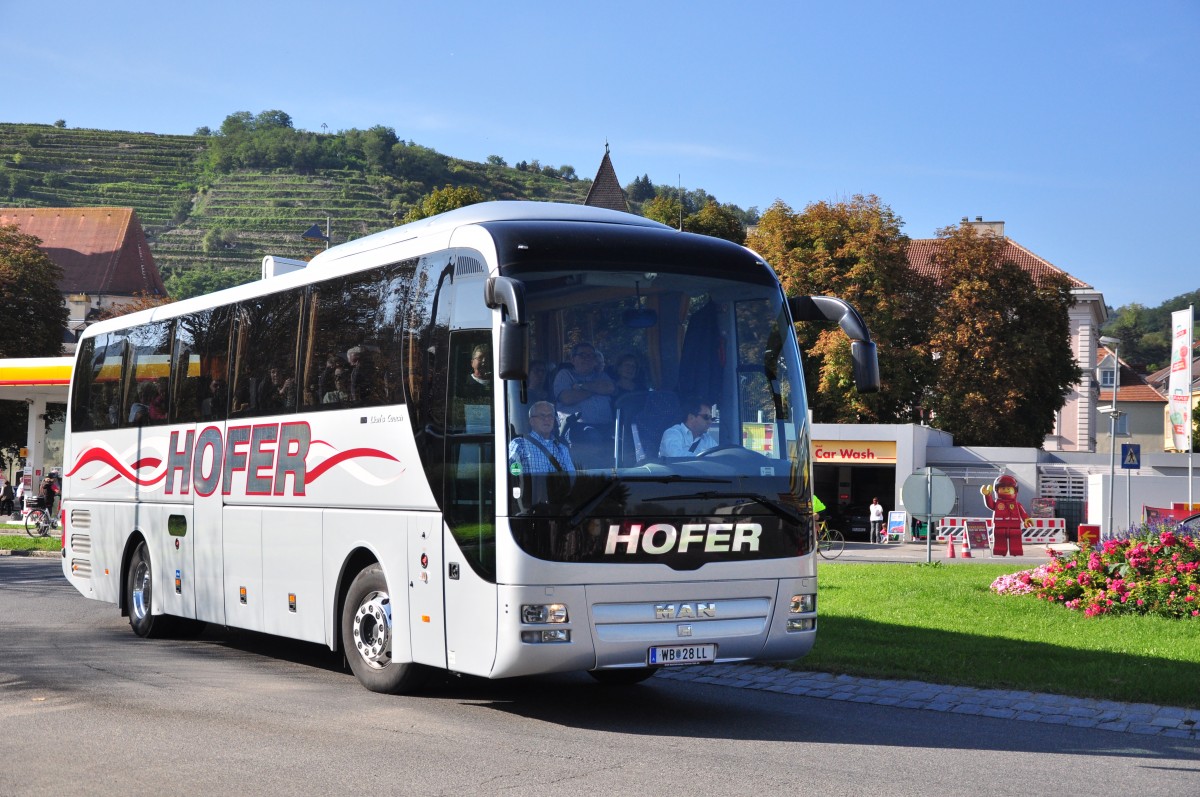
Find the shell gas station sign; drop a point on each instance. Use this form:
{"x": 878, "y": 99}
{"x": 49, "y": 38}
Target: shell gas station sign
{"x": 854, "y": 452}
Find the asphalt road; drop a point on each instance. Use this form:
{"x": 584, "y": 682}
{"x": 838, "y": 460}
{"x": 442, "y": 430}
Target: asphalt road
{"x": 87, "y": 708}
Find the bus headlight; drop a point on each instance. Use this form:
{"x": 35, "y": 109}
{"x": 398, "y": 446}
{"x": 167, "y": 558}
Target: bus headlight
{"x": 539, "y": 614}
{"x": 803, "y": 604}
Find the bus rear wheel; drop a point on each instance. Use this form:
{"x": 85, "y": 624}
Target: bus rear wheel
{"x": 139, "y": 596}
{"x": 368, "y": 633}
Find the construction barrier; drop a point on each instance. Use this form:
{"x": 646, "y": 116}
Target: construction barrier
{"x": 1042, "y": 532}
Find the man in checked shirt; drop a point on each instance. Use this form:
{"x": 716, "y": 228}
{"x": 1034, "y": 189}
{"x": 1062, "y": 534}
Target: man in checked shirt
{"x": 539, "y": 451}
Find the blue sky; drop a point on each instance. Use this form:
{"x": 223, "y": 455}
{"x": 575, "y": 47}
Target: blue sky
{"x": 1074, "y": 122}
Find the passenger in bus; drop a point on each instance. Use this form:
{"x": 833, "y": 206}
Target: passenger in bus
{"x": 212, "y": 406}
{"x": 362, "y": 375}
{"x": 325, "y": 380}
{"x": 627, "y": 376}
{"x": 479, "y": 383}
{"x": 691, "y": 437}
{"x": 139, "y": 411}
{"x": 278, "y": 392}
{"x": 584, "y": 395}
{"x": 158, "y": 404}
{"x": 540, "y": 451}
{"x": 537, "y": 389}
{"x": 340, "y": 392}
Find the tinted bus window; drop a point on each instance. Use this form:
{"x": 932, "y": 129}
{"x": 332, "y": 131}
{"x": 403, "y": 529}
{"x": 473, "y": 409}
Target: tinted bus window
{"x": 148, "y": 374}
{"x": 265, "y": 355}
{"x": 352, "y": 356}
{"x": 200, "y": 367}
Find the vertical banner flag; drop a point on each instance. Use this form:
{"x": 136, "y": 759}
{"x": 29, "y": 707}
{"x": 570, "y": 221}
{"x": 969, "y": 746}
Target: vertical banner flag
{"x": 1180, "y": 384}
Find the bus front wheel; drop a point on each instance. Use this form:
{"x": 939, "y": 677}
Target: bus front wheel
{"x": 368, "y": 633}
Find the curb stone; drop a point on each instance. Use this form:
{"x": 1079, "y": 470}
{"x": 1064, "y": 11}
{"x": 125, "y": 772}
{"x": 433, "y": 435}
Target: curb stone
{"x": 1022, "y": 706}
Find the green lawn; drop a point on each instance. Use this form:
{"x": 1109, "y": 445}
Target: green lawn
{"x": 13, "y": 538}
{"x": 943, "y": 625}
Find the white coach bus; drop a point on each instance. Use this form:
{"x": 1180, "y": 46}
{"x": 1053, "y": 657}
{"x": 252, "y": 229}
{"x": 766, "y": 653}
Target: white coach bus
{"x": 324, "y": 455}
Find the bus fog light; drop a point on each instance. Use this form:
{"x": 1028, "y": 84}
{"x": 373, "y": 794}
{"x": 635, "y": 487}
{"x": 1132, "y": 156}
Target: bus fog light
{"x": 537, "y": 614}
{"x": 801, "y": 624}
{"x": 803, "y": 604}
{"x": 548, "y": 635}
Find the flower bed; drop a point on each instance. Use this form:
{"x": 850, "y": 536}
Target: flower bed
{"x": 1152, "y": 570}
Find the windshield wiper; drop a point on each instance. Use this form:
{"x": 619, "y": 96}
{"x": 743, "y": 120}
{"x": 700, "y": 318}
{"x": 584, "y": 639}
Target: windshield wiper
{"x": 777, "y": 508}
{"x": 586, "y": 508}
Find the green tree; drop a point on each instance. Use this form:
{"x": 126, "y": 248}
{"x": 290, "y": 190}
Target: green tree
{"x": 640, "y": 189}
{"x": 718, "y": 221}
{"x": 854, "y": 250}
{"x": 441, "y": 200}
{"x": 30, "y": 303}
{"x": 1004, "y": 364}
{"x": 496, "y": 160}
{"x": 272, "y": 119}
{"x": 664, "y": 209}
{"x": 201, "y": 280}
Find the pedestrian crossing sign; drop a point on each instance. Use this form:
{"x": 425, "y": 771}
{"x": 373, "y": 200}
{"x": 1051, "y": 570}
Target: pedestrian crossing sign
{"x": 1131, "y": 456}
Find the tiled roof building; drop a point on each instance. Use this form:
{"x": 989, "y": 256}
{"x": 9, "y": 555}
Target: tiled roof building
{"x": 103, "y": 254}
{"x": 606, "y": 191}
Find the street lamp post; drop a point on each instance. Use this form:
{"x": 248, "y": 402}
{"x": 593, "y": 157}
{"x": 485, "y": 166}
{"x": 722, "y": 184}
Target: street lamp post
{"x": 1115, "y": 344}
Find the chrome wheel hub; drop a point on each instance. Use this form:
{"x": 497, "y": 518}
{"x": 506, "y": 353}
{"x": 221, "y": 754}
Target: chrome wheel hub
{"x": 373, "y": 629}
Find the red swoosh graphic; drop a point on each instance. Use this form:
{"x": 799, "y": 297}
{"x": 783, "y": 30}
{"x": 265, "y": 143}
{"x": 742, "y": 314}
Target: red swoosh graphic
{"x": 100, "y": 455}
{"x": 352, "y": 453}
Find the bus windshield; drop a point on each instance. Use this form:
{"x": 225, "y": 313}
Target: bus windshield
{"x": 655, "y": 394}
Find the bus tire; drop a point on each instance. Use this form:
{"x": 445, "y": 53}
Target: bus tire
{"x": 367, "y": 634}
{"x": 139, "y": 596}
{"x": 624, "y": 677}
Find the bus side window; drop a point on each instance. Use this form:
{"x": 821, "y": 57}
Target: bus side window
{"x": 200, "y": 367}
{"x": 265, "y": 355}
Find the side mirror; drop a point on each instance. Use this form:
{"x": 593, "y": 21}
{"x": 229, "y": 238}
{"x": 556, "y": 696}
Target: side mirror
{"x": 508, "y": 295}
{"x": 513, "y": 360}
{"x": 862, "y": 348}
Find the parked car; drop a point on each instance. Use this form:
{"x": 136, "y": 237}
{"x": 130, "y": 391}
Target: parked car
{"x": 1192, "y": 524}
{"x": 855, "y": 522}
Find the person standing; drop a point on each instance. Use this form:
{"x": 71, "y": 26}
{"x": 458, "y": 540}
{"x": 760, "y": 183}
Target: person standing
{"x": 878, "y": 534}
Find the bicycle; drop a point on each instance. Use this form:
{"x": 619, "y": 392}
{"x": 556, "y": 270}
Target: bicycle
{"x": 39, "y": 522}
{"x": 830, "y": 542}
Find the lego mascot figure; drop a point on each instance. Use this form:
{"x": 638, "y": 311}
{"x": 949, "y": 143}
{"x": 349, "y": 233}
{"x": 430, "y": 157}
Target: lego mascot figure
{"x": 1008, "y": 516}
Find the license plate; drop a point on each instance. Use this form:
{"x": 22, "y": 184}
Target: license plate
{"x": 668, "y": 655}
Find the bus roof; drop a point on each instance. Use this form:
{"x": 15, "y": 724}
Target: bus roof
{"x": 442, "y": 224}
{"x": 514, "y": 210}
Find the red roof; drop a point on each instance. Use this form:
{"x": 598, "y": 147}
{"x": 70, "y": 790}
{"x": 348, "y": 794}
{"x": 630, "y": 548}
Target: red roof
{"x": 100, "y": 250}
{"x": 920, "y": 259}
{"x": 1132, "y": 386}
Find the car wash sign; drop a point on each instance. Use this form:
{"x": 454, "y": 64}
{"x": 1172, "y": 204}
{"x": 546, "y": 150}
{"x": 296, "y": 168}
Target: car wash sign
{"x": 854, "y": 452}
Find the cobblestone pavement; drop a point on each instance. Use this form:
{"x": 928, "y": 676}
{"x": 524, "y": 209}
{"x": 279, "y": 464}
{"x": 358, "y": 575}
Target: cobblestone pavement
{"x": 1109, "y": 715}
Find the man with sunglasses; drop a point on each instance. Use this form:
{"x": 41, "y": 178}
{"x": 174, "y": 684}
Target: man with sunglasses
{"x": 690, "y": 438}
